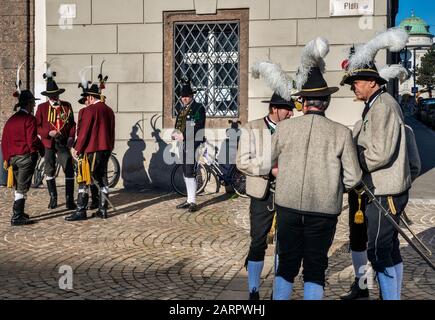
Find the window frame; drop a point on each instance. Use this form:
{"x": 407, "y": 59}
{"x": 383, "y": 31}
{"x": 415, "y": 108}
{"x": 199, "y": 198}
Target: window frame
{"x": 169, "y": 19}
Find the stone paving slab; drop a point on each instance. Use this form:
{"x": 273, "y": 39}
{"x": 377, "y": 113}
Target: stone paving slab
{"x": 147, "y": 249}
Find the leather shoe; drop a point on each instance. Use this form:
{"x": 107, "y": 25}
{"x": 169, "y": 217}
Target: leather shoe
{"x": 355, "y": 292}
{"x": 183, "y": 205}
{"x": 193, "y": 207}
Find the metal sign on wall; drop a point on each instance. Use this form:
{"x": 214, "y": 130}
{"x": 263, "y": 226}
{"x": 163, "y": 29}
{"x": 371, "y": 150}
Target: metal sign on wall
{"x": 339, "y": 8}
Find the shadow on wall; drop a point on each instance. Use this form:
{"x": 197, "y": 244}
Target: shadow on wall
{"x": 137, "y": 172}
{"x": 159, "y": 170}
{"x": 134, "y": 173}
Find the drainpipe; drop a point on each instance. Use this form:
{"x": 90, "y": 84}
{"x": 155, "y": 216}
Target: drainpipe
{"x": 28, "y": 43}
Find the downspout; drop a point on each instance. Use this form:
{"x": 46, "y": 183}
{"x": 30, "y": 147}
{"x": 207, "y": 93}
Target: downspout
{"x": 392, "y": 57}
{"x": 28, "y": 44}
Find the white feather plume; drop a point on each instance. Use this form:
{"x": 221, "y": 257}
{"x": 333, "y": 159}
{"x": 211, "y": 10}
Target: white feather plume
{"x": 394, "y": 71}
{"x": 49, "y": 71}
{"x": 312, "y": 56}
{"x": 82, "y": 75}
{"x": 393, "y": 39}
{"x": 275, "y": 78}
{"x": 18, "y": 83}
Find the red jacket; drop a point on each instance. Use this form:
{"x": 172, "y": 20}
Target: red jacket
{"x": 96, "y": 132}
{"x": 44, "y": 126}
{"x": 19, "y": 136}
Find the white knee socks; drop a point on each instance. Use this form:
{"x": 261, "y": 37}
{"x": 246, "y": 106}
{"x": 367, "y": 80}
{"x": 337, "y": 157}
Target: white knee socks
{"x": 191, "y": 189}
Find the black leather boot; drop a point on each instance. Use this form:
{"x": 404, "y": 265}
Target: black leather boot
{"x": 82, "y": 203}
{"x": 95, "y": 198}
{"x": 102, "y": 208}
{"x": 18, "y": 217}
{"x": 254, "y": 295}
{"x": 69, "y": 194}
{"x": 355, "y": 292}
{"x": 52, "y": 191}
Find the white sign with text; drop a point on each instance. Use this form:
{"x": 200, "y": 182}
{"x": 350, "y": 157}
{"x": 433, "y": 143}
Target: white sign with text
{"x": 339, "y": 8}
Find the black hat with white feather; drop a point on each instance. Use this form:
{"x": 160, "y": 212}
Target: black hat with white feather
{"x": 23, "y": 96}
{"x": 52, "y": 88}
{"x": 361, "y": 62}
{"x": 309, "y": 77}
{"x": 278, "y": 81}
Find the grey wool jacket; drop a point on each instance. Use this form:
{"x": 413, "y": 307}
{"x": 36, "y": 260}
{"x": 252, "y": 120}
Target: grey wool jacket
{"x": 253, "y": 156}
{"x": 382, "y": 148}
{"x": 317, "y": 161}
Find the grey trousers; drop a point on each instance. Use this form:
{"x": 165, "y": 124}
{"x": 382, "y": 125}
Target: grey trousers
{"x": 24, "y": 166}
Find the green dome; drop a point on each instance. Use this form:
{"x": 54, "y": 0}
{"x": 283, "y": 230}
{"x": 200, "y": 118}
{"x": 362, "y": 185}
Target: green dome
{"x": 415, "y": 26}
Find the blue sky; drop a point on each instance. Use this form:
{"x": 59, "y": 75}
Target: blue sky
{"x": 424, "y": 9}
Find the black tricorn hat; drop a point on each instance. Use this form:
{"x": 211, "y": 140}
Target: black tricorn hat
{"x": 279, "y": 102}
{"x": 52, "y": 88}
{"x": 186, "y": 89}
{"x": 25, "y": 97}
{"x": 369, "y": 71}
{"x": 94, "y": 90}
{"x": 316, "y": 86}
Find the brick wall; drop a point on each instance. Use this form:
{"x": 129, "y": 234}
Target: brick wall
{"x": 16, "y": 46}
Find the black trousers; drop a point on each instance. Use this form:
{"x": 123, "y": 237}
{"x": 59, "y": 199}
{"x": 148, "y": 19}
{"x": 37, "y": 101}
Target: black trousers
{"x": 98, "y": 162}
{"x": 357, "y": 232}
{"x": 64, "y": 158}
{"x": 383, "y": 239}
{"x": 261, "y": 219}
{"x": 23, "y": 167}
{"x": 304, "y": 239}
{"x": 189, "y": 159}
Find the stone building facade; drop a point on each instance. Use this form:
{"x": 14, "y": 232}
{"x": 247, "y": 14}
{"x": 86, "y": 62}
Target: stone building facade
{"x": 16, "y": 46}
{"x": 136, "y": 40}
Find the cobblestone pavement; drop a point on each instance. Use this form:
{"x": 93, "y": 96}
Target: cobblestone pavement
{"x": 150, "y": 250}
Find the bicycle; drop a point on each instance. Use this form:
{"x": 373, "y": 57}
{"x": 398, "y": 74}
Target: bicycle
{"x": 113, "y": 171}
{"x": 206, "y": 168}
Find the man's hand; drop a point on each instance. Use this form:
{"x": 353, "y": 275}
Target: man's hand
{"x": 177, "y": 136}
{"x": 180, "y": 137}
{"x": 275, "y": 170}
{"x": 74, "y": 153}
{"x": 53, "y": 133}
{"x": 70, "y": 142}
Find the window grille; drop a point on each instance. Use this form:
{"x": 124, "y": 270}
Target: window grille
{"x": 208, "y": 54}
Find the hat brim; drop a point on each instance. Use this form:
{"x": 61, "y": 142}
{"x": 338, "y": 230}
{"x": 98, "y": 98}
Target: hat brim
{"x": 318, "y": 93}
{"x": 184, "y": 94}
{"x": 350, "y": 79}
{"x": 19, "y": 104}
{"x": 52, "y": 93}
{"x": 279, "y": 105}
{"x": 91, "y": 94}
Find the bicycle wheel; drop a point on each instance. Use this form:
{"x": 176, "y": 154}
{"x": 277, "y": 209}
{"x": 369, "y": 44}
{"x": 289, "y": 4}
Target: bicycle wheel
{"x": 113, "y": 172}
{"x": 238, "y": 182}
{"x": 177, "y": 179}
{"x": 38, "y": 174}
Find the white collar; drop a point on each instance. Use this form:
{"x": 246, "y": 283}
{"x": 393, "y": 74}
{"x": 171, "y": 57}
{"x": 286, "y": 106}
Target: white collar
{"x": 51, "y": 103}
{"x": 96, "y": 101}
